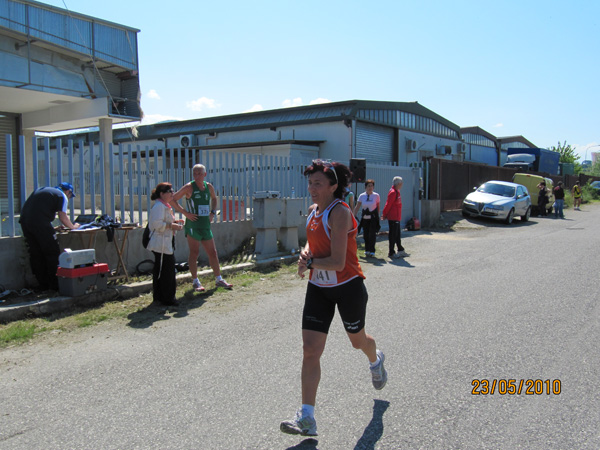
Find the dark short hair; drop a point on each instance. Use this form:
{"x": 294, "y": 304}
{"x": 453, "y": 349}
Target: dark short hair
{"x": 369, "y": 181}
{"x": 159, "y": 189}
{"x": 336, "y": 173}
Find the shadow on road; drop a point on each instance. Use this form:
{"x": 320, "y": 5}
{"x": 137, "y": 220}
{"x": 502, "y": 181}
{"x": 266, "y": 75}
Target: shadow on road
{"x": 306, "y": 444}
{"x": 145, "y": 317}
{"x": 374, "y": 430}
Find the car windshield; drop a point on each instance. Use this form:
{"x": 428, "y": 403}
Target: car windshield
{"x": 497, "y": 189}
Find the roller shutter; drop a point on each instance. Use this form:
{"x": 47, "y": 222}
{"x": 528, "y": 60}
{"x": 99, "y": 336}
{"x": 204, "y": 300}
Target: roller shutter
{"x": 8, "y": 125}
{"x": 374, "y": 143}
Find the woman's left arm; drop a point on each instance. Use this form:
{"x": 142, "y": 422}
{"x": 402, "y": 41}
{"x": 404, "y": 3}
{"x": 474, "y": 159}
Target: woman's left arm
{"x": 340, "y": 220}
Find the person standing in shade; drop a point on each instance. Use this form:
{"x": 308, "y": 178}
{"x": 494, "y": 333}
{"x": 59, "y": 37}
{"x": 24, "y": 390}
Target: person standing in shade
{"x": 202, "y": 204}
{"x": 336, "y": 278}
{"x": 368, "y": 203}
{"x": 392, "y": 211}
{"x": 37, "y": 215}
{"x": 576, "y": 191}
{"x": 542, "y": 198}
{"x": 559, "y": 201}
{"x": 163, "y": 225}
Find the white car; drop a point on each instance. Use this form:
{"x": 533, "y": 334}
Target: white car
{"x": 500, "y": 200}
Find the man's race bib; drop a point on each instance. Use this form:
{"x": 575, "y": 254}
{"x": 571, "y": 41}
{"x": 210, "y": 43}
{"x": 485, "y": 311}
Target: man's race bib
{"x": 203, "y": 210}
{"x": 324, "y": 277}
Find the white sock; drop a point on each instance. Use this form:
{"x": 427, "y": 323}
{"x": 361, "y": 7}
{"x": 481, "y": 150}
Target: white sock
{"x": 219, "y": 278}
{"x": 195, "y": 279}
{"x": 308, "y": 410}
{"x": 374, "y": 364}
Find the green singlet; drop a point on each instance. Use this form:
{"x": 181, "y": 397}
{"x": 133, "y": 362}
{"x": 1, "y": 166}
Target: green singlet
{"x": 199, "y": 203}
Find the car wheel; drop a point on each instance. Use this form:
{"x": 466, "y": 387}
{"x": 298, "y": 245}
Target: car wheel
{"x": 511, "y": 216}
{"x": 465, "y": 214}
{"x": 525, "y": 218}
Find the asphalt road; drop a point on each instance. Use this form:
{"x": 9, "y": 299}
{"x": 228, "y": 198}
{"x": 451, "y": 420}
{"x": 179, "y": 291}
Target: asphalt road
{"x": 486, "y": 301}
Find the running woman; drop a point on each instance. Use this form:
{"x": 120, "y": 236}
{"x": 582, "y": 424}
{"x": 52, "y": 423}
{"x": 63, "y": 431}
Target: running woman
{"x": 335, "y": 279}
{"x": 202, "y": 203}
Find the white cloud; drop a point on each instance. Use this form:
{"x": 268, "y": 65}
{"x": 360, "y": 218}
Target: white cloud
{"x": 498, "y": 125}
{"x": 153, "y": 94}
{"x": 318, "y": 101}
{"x": 202, "y": 103}
{"x": 255, "y": 108}
{"x": 289, "y": 103}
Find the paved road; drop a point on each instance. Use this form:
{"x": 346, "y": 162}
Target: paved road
{"x": 485, "y": 302}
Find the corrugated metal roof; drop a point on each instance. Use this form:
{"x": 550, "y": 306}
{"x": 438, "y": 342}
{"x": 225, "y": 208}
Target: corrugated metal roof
{"x": 479, "y": 131}
{"x": 323, "y": 112}
{"x": 508, "y": 139}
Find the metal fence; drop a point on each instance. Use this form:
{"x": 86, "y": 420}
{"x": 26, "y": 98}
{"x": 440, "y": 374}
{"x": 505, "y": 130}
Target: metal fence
{"x": 121, "y": 186}
{"x": 118, "y": 181}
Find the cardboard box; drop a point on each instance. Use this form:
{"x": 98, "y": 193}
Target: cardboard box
{"x": 83, "y": 280}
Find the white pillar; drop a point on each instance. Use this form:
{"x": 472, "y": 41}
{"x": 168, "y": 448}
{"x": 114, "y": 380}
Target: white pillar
{"x": 106, "y": 139}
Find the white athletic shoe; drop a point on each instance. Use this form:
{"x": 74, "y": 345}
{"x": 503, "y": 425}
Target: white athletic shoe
{"x": 198, "y": 286}
{"x": 303, "y": 425}
{"x": 378, "y": 373}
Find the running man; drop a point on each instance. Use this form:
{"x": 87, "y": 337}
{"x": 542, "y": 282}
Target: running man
{"x": 336, "y": 278}
{"x": 202, "y": 204}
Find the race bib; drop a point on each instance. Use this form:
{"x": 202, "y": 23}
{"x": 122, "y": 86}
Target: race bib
{"x": 324, "y": 277}
{"x": 203, "y": 210}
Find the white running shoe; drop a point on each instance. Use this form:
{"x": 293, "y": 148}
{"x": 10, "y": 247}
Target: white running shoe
{"x": 401, "y": 254}
{"x": 198, "y": 286}
{"x": 224, "y": 284}
{"x": 303, "y": 425}
{"x": 378, "y": 373}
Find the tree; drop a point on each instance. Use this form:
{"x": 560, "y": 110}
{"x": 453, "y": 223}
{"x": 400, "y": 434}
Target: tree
{"x": 567, "y": 155}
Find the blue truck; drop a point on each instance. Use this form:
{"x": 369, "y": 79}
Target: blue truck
{"x": 533, "y": 160}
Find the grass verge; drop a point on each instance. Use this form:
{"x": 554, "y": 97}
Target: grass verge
{"x": 24, "y": 331}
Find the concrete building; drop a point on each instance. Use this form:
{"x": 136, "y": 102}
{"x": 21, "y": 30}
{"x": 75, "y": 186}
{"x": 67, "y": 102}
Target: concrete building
{"x": 61, "y": 70}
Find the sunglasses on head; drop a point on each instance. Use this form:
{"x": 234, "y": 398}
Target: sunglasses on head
{"x": 329, "y": 166}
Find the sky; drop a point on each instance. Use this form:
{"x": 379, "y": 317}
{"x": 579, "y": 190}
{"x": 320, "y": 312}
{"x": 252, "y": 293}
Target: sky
{"x": 524, "y": 67}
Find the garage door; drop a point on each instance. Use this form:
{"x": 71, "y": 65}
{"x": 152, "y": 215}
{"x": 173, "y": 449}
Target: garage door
{"x": 8, "y": 125}
{"x": 374, "y": 143}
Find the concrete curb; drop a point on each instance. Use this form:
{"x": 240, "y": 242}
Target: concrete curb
{"x": 53, "y": 305}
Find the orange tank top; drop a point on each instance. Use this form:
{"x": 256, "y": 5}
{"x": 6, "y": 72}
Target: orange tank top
{"x": 319, "y": 241}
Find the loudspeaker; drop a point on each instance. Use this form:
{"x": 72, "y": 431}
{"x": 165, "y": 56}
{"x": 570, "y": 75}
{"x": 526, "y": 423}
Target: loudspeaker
{"x": 358, "y": 167}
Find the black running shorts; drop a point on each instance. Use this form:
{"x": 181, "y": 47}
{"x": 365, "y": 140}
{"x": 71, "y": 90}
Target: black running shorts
{"x": 319, "y": 306}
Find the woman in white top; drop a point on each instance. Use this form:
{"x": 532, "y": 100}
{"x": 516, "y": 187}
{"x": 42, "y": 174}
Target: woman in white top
{"x": 368, "y": 203}
{"x": 163, "y": 226}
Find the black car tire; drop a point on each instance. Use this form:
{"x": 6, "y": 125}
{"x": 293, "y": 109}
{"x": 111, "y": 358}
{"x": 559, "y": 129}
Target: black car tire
{"x": 511, "y": 216}
{"x": 525, "y": 218}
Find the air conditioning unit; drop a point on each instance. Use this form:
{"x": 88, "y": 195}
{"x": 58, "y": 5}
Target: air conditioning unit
{"x": 411, "y": 145}
{"x": 443, "y": 150}
{"x": 187, "y": 140}
{"x": 461, "y": 147}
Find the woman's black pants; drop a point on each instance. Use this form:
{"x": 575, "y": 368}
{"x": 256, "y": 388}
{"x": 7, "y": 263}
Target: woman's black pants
{"x": 163, "y": 278}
